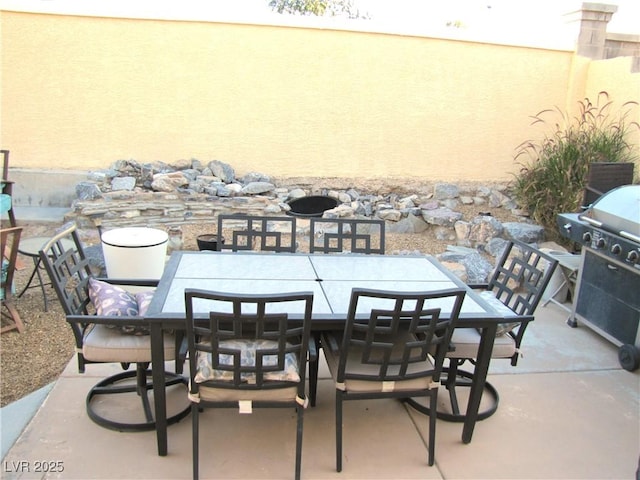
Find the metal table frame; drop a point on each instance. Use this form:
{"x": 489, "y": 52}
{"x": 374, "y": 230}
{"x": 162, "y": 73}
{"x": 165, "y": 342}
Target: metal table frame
{"x": 161, "y": 317}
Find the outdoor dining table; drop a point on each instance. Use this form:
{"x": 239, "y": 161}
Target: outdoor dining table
{"x": 330, "y": 278}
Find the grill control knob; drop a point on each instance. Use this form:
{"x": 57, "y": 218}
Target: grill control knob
{"x": 586, "y": 236}
{"x": 616, "y": 249}
{"x": 633, "y": 256}
{"x": 600, "y": 243}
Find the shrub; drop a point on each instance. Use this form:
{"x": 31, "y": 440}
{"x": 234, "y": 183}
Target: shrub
{"x": 554, "y": 173}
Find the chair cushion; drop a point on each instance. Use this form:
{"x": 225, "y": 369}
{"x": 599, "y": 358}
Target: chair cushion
{"x": 355, "y": 366}
{"x": 102, "y": 344}
{"x": 247, "y": 350}
{"x": 112, "y": 300}
{"x": 467, "y": 340}
{"x": 213, "y": 394}
{"x": 501, "y": 309}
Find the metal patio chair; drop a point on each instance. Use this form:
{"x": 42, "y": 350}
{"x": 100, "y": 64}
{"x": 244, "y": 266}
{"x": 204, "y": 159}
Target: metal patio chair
{"x": 9, "y": 244}
{"x": 514, "y": 290}
{"x": 109, "y": 327}
{"x": 246, "y": 353}
{"x": 394, "y": 350}
{"x": 250, "y": 232}
{"x": 337, "y": 235}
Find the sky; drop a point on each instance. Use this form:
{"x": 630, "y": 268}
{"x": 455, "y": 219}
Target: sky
{"x": 490, "y": 14}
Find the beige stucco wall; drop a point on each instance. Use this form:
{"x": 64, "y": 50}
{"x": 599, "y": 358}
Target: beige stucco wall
{"x": 81, "y": 92}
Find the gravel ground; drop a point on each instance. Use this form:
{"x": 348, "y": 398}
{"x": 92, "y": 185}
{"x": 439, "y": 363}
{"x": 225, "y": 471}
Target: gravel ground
{"x": 36, "y": 357}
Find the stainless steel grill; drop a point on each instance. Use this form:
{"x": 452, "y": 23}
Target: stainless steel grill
{"x": 607, "y": 297}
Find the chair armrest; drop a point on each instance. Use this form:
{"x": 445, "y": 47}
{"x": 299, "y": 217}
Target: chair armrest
{"x": 136, "y": 282}
{"x": 478, "y": 286}
{"x": 107, "y": 320}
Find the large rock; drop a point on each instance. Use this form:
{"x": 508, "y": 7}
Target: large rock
{"x": 256, "y": 188}
{"x": 223, "y": 171}
{"x": 441, "y": 216}
{"x": 478, "y": 269}
{"x": 525, "y": 232}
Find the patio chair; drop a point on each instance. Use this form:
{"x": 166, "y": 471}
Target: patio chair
{"x": 514, "y": 290}
{"x": 247, "y": 354}
{"x": 109, "y": 327}
{"x": 250, "y": 232}
{"x": 6, "y": 193}
{"x": 393, "y": 346}
{"x": 9, "y": 242}
{"x": 605, "y": 176}
{"x": 336, "y": 235}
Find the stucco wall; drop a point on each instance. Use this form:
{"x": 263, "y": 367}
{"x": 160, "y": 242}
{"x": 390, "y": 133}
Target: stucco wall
{"x": 82, "y": 92}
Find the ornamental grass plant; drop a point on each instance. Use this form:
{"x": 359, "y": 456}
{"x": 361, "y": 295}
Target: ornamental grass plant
{"x": 553, "y": 172}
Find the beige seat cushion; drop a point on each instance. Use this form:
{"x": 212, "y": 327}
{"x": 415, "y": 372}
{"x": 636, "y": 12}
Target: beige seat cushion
{"x": 213, "y": 394}
{"x": 103, "y": 344}
{"x": 355, "y": 366}
{"x": 467, "y": 341}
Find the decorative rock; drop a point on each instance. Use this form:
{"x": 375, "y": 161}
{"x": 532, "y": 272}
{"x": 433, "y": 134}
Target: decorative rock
{"x": 441, "y": 216}
{"x": 256, "y": 188}
{"x": 478, "y": 269}
{"x": 123, "y": 183}
{"x": 483, "y": 228}
{"x": 87, "y": 191}
{"x": 390, "y": 214}
{"x": 272, "y": 209}
{"x": 431, "y": 205}
{"x": 443, "y": 191}
{"x": 457, "y": 269}
{"x": 524, "y": 232}
{"x": 223, "y": 171}
{"x": 344, "y": 197}
{"x": 495, "y": 246}
{"x": 168, "y": 182}
{"x": 296, "y": 193}
{"x": 497, "y": 199}
{"x": 256, "y": 177}
{"x": 354, "y": 194}
{"x": 410, "y": 224}
{"x": 234, "y": 188}
{"x": 444, "y": 234}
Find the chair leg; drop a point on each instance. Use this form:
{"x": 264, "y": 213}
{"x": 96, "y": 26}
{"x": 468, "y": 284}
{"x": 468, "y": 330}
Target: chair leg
{"x": 313, "y": 381}
{"x": 194, "y": 438}
{"x": 14, "y": 315}
{"x": 143, "y": 392}
{"x": 433, "y": 401}
{"x": 121, "y": 383}
{"x": 300, "y": 410}
{"x": 338, "y": 431}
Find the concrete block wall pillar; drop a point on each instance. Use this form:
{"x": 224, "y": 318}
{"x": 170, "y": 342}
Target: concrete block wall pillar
{"x": 593, "y": 29}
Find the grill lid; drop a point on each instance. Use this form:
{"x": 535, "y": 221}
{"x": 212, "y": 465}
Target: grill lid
{"x": 617, "y": 211}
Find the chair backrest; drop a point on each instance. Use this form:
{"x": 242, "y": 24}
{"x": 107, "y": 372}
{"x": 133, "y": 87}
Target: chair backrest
{"x": 5, "y": 164}
{"x": 68, "y": 270}
{"x": 248, "y": 341}
{"x": 605, "y": 176}
{"x": 335, "y": 235}
{"x": 9, "y": 243}
{"x": 267, "y": 234}
{"x": 521, "y": 277}
{"x": 394, "y": 332}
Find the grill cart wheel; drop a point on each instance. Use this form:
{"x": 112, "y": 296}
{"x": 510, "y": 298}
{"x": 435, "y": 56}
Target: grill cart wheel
{"x": 629, "y": 357}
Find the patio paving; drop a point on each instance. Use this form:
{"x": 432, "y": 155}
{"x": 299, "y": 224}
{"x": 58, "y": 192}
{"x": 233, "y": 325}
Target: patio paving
{"x": 567, "y": 411}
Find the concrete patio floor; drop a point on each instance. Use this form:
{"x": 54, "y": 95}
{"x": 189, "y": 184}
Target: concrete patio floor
{"x": 567, "y": 411}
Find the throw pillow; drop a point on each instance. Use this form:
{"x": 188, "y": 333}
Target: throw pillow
{"x": 112, "y": 300}
{"x": 247, "y": 349}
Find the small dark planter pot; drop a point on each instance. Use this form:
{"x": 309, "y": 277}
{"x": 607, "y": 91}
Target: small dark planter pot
{"x": 208, "y": 241}
{"x": 313, "y": 206}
